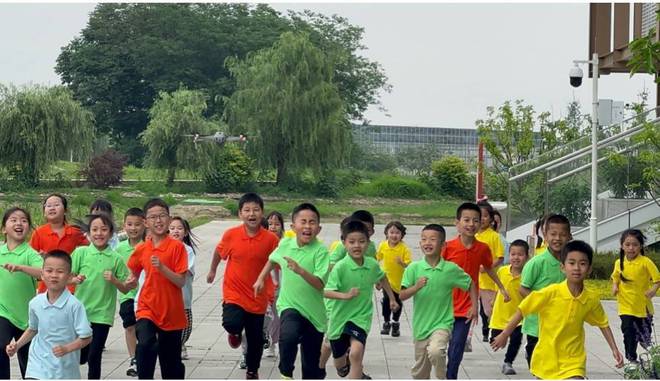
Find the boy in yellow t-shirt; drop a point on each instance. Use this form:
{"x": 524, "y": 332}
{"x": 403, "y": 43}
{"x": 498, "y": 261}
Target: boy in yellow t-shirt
{"x": 502, "y": 312}
{"x": 563, "y": 308}
{"x": 394, "y": 256}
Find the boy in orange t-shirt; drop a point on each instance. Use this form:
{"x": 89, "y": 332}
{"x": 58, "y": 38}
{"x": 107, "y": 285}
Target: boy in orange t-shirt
{"x": 246, "y": 249}
{"x": 160, "y": 314}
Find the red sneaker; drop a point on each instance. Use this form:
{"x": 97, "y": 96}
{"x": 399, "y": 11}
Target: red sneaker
{"x": 234, "y": 340}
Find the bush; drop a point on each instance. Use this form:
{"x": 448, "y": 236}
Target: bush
{"x": 327, "y": 185}
{"x": 451, "y": 177}
{"x": 393, "y": 187}
{"x": 603, "y": 263}
{"x": 104, "y": 170}
{"x": 230, "y": 170}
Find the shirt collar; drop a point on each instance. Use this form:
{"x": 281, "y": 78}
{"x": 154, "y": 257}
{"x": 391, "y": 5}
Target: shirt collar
{"x": 366, "y": 264}
{"x": 94, "y": 250}
{"x": 60, "y": 302}
{"x": 439, "y": 266}
{"x": 565, "y": 293}
{"x": 18, "y": 250}
{"x": 164, "y": 243}
{"x": 256, "y": 237}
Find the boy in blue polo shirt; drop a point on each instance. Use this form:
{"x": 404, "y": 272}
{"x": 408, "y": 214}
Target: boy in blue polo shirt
{"x": 58, "y": 325}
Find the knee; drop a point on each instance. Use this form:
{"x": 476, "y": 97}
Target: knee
{"x": 355, "y": 356}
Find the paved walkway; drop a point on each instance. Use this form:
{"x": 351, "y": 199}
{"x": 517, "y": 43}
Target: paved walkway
{"x": 386, "y": 357}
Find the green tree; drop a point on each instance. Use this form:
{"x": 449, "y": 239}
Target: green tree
{"x": 451, "y": 177}
{"x": 417, "y": 159}
{"x": 287, "y": 101}
{"x": 171, "y": 117}
{"x": 39, "y": 125}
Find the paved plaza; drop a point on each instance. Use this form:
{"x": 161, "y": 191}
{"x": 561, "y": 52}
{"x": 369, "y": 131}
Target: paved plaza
{"x": 386, "y": 357}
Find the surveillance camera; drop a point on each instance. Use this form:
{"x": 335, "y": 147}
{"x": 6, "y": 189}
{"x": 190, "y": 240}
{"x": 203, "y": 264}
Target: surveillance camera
{"x": 575, "y": 74}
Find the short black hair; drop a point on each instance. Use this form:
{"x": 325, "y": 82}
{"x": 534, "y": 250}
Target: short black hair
{"x": 467, "y": 206}
{"x": 105, "y": 218}
{"x": 364, "y": 216}
{"x": 59, "y": 254}
{"x": 397, "y": 225}
{"x": 135, "y": 212}
{"x": 154, "y": 202}
{"x": 354, "y": 226}
{"x": 556, "y": 219}
{"x": 520, "y": 243}
{"x": 101, "y": 205}
{"x": 489, "y": 208}
{"x": 579, "y": 246}
{"x": 437, "y": 228}
{"x": 250, "y": 197}
{"x": 305, "y": 206}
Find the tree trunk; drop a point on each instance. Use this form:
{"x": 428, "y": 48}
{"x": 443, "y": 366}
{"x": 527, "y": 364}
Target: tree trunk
{"x": 281, "y": 171}
{"x": 171, "y": 172}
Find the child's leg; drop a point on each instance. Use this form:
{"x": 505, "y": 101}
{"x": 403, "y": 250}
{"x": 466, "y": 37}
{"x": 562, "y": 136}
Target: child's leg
{"x": 326, "y": 352}
{"x": 127, "y": 314}
{"x": 23, "y": 353}
{"x": 437, "y": 351}
{"x": 629, "y": 336}
{"x": 233, "y": 318}
{"x": 131, "y": 340}
{"x": 268, "y": 320}
{"x": 310, "y": 352}
{"x": 483, "y": 314}
{"x": 188, "y": 330}
{"x": 529, "y": 348}
{"x": 397, "y": 314}
{"x": 93, "y": 353}
{"x": 387, "y": 312}
{"x": 169, "y": 354}
{"x": 6, "y": 335}
{"x": 290, "y": 328}
{"x": 275, "y": 325}
{"x": 146, "y": 350}
{"x": 422, "y": 368}
{"x": 356, "y": 355}
{"x": 254, "y": 327}
{"x": 456, "y": 347}
{"x": 340, "y": 349}
{"x": 514, "y": 345}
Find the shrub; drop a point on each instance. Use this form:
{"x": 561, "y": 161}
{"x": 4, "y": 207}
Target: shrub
{"x": 104, "y": 170}
{"x": 327, "y": 184}
{"x": 451, "y": 177}
{"x": 603, "y": 263}
{"x": 229, "y": 170}
{"x": 393, "y": 187}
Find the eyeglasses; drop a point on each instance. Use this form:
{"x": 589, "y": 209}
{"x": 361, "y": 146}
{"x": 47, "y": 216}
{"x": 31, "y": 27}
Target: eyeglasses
{"x": 158, "y": 217}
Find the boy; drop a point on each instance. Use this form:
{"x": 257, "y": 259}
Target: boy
{"x": 563, "y": 308}
{"x": 430, "y": 282}
{"x": 303, "y": 261}
{"x": 470, "y": 255}
{"x": 339, "y": 251}
{"x": 246, "y": 248}
{"x": 542, "y": 271}
{"x": 134, "y": 229}
{"x": 160, "y": 315}
{"x": 502, "y": 312}
{"x": 58, "y": 325}
{"x": 351, "y": 283}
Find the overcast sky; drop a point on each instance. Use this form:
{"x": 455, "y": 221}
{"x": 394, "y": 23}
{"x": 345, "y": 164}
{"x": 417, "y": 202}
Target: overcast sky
{"x": 446, "y": 62}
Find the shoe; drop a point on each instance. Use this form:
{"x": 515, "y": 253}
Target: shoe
{"x": 343, "y": 371}
{"x": 386, "y": 328}
{"x": 365, "y": 376}
{"x": 468, "y": 346}
{"x": 270, "y": 352}
{"x": 486, "y": 339}
{"x": 251, "y": 375}
{"x": 283, "y": 377}
{"x": 243, "y": 363}
{"x": 266, "y": 342}
{"x": 395, "y": 329}
{"x": 184, "y": 353}
{"x": 132, "y": 368}
{"x": 507, "y": 369}
{"x": 234, "y": 340}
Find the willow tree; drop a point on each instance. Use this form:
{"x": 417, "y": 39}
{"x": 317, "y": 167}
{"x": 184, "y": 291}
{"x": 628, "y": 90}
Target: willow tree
{"x": 39, "y": 125}
{"x": 171, "y": 118}
{"x": 288, "y": 106}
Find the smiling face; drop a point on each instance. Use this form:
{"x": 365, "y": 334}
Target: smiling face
{"x": 54, "y": 209}
{"x": 485, "y": 219}
{"x": 134, "y": 227}
{"x": 356, "y": 244}
{"x": 158, "y": 221}
{"x": 17, "y": 226}
{"x": 100, "y": 233}
{"x": 394, "y": 235}
{"x": 251, "y": 214}
{"x": 517, "y": 257}
{"x": 306, "y": 225}
{"x": 576, "y": 266}
{"x": 177, "y": 230}
{"x": 469, "y": 222}
{"x": 431, "y": 242}
{"x": 556, "y": 236}
{"x": 631, "y": 247}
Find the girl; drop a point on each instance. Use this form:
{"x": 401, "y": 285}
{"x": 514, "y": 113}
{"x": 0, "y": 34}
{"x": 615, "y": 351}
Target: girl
{"x": 56, "y": 233}
{"x": 102, "y": 206}
{"x": 395, "y": 257}
{"x": 99, "y": 272}
{"x": 272, "y": 321}
{"x": 180, "y": 230}
{"x": 635, "y": 280}
{"x": 20, "y": 267}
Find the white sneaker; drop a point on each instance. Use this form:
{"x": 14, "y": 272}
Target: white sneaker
{"x": 184, "y": 353}
{"x": 270, "y": 351}
{"x": 507, "y": 369}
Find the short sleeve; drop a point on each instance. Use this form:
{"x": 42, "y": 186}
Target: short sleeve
{"x": 653, "y": 271}
{"x": 321, "y": 264}
{"x": 35, "y": 241}
{"x": 408, "y": 279}
{"x": 121, "y": 271}
{"x": 276, "y": 256}
{"x": 529, "y": 274}
{"x": 377, "y": 273}
{"x": 33, "y": 319}
{"x": 407, "y": 255}
{"x": 596, "y": 316}
{"x": 338, "y": 253}
{"x": 223, "y": 246}
{"x": 498, "y": 246}
{"x": 80, "y": 322}
{"x": 616, "y": 272}
{"x": 379, "y": 252}
{"x": 191, "y": 259}
{"x": 76, "y": 259}
{"x": 180, "y": 260}
{"x": 34, "y": 259}
{"x": 134, "y": 261}
{"x": 334, "y": 283}
{"x": 460, "y": 278}
{"x": 535, "y": 301}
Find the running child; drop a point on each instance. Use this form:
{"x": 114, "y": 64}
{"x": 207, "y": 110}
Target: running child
{"x": 103, "y": 206}
{"x": 339, "y": 251}
{"x": 272, "y": 320}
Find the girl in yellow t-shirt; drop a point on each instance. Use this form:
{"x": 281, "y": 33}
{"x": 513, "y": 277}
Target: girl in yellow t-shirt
{"x": 394, "y": 256}
{"x": 635, "y": 280}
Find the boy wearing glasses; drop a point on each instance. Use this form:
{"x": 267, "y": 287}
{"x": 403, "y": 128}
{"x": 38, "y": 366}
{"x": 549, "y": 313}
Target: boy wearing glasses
{"x": 160, "y": 314}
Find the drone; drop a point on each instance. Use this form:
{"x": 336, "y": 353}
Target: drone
{"x": 220, "y": 138}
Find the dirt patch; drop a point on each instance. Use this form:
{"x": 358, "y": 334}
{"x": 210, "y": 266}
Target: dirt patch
{"x": 196, "y": 211}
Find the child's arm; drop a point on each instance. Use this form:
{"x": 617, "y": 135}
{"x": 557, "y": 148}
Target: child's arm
{"x": 473, "y": 314}
{"x": 34, "y": 272}
{"x": 500, "y": 340}
{"x": 306, "y": 275}
{"x": 178, "y": 279}
{"x": 615, "y": 287}
{"x": 215, "y": 261}
{"x": 258, "y": 286}
{"x": 331, "y": 294}
{"x": 25, "y": 338}
{"x": 123, "y": 287}
{"x": 607, "y": 333}
{"x": 77, "y": 344}
{"x": 651, "y": 292}
{"x": 500, "y": 286}
{"x": 388, "y": 290}
{"x": 407, "y": 293}
{"x": 524, "y": 291}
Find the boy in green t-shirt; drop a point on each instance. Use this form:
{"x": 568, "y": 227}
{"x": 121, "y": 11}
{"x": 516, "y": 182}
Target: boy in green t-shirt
{"x": 303, "y": 260}
{"x": 430, "y": 282}
{"x": 351, "y": 283}
{"x": 134, "y": 229}
{"x": 339, "y": 251}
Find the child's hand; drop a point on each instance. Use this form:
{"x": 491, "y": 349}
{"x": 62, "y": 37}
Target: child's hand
{"x": 499, "y": 342}
{"x": 400, "y": 262}
{"x": 11, "y": 267}
{"x": 131, "y": 281}
{"x": 210, "y": 277}
{"x": 650, "y": 293}
{"x": 481, "y": 269}
{"x": 421, "y": 282}
{"x": 258, "y": 286}
{"x": 78, "y": 279}
{"x": 473, "y": 315}
{"x": 505, "y": 295}
{"x": 618, "y": 358}
{"x": 11, "y": 349}
{"x": 353, "y": 292}
{"x": 107, "y": 275}
{"x": 61, "y": 350}
{"x": 615, "y": 289}
{"x": 394, "y": 306}
{"x": 155, "y": 262}
{"x": 292, "y": 265}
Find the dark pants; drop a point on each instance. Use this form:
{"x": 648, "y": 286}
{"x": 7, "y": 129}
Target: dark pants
{"x": 294, "y": 330}
{"x": 152, "y": 343}
{"x": 514, "y": 343}
{"x": 93, "y": 353}
{"x": 387, "y": 312}
{"x": 7, "y": 332}
{"x": 635, "y": 330}
{"x": 457, "y": 346}
{"x": 529, "y": 348}
{"x": 484, "y": 319}
{"x": 235, "y": 319}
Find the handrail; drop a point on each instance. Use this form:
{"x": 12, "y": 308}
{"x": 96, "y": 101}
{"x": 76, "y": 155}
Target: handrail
{"x": 588, "y": 165}
{"x": 610, "y": 218}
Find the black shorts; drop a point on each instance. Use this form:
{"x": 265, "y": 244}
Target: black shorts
{"x": 341, "y": 345}
{"x": 127, "y": 313}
